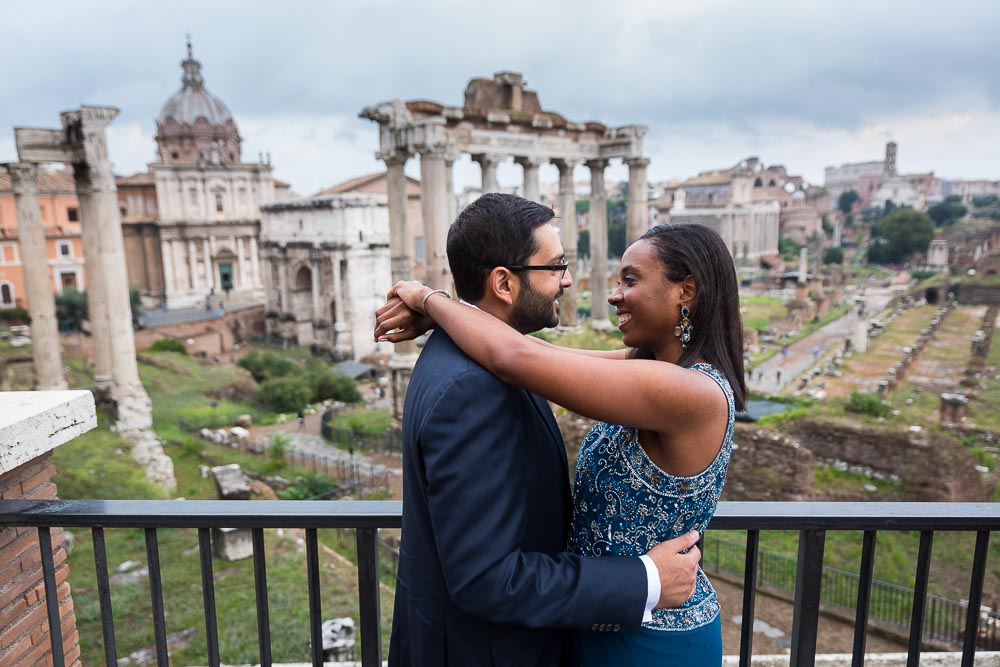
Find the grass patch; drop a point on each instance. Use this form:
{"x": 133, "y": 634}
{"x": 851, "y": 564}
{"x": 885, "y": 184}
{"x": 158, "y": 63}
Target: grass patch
{"x": 372, "y": 421}
{"x": 757, "y": 310}
{"x": 234, "y": 596}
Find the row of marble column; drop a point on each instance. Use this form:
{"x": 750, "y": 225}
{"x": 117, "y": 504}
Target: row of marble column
{"x": 116, "y": 371}
{"x": 437, "y": 208}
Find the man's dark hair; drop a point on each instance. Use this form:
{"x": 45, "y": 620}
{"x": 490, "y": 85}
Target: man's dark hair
{"x": 495, "y": 230}
{"x": 689, "y": 249}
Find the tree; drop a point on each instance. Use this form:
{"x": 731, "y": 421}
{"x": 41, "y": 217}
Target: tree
{"x": 617, "y": 226}
{"x": 833, "y": 256}
{"x": 583, "y": 243}
{"x": 788, "y": 249}
{"x": 947, "y": 213}
{"x": 286, "y": 394}
{"x": 71, "y": 309}
{"x": 846, "y": 201}
{"x": 904, "y": 232}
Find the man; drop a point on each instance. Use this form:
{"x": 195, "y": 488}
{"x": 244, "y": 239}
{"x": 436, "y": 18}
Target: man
{"x": 483, "y": 576}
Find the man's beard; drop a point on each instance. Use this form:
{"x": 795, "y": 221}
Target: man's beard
{"x": 533, "y": 310}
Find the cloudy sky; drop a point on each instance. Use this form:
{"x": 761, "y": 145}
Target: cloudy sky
{"x": 806, "y": 84}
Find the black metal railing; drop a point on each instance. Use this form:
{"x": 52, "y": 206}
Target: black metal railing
{"x": 811, "y": 520}
{"x": 889, "y": 603}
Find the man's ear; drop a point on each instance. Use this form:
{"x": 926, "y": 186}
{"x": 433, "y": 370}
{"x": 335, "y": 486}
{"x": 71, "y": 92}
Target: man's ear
{"x": 501, "y": 285}
{"x": 689, "y": 289}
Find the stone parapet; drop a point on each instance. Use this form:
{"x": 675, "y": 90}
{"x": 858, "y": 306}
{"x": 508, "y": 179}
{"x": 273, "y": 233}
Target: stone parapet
{"x": 32, "y": 424}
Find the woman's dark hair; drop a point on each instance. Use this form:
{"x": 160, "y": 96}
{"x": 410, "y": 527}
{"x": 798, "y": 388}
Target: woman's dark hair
{"x": 495, "y": 230}
{"x": 688, "y": 249}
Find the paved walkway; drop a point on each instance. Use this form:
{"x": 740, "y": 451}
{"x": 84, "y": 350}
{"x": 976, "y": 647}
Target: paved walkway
{"x": 155, "y": 317}
{"x": 307, "y": 442}
{"x": 772, "y": 376}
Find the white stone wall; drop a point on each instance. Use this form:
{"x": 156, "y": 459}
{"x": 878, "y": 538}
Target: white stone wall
{"x": 748, "y": 231}
{"x": 186, "y": 193}
{"x": 344, "y": 241}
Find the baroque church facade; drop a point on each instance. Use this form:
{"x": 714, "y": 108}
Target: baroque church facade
{"x": 191, "y": 222}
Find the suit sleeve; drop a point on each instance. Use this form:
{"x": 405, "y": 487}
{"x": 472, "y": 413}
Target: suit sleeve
{"x": 475, "y": 457}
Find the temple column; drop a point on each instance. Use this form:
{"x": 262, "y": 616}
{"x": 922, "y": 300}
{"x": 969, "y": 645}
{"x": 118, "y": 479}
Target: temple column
{"x": 449, "y": 172}
{"x": 341, "y": 338}
{"x": 314, "y": 267}
{"x": 206, "y": 253}
{"x": 598, "y": 247}
{"x": 240, "y": 266}
{"x": 568, "y": 233}
{"x": 489, "y": 164}
{"x": 192, "y": 252}
{"x": 46, "y": 352}
{"x": 530, "y": 181}
{"x": 638, "y": 206}
{"x": 254, "y": 262}
{"x": 95, "y": 184}
{"x": 286, "y": 306}
{"x": 100, "y": 331}
{"x": 404, "y": 355}
{"x": 166, "y": 259}
{"x": 434, "y": 205}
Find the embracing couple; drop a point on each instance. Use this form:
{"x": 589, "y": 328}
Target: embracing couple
{"x": 499, "y": 563}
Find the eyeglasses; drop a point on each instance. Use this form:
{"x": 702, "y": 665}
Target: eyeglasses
{"x": 561, "y": 268}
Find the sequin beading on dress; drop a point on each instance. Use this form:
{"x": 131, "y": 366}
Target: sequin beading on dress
{"x": 624, "y": 505}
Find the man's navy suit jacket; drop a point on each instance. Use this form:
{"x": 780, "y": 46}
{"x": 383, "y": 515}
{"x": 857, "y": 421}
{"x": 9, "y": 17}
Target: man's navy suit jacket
{"x": 483, "y": 574}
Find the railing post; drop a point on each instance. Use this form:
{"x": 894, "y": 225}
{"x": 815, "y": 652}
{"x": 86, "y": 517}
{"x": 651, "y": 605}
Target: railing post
{"x": 808, "y": 584}
{"x": 368, "y": 593}
{"x": 919, "y": 598}
{"x": 975, "y": 598}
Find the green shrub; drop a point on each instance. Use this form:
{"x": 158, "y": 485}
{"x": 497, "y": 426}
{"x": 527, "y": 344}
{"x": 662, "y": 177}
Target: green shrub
{"x": 15, "y": 316}
{"x": 167, "y": 345}
{"x": 307, "y": 486}
{"x": 280, "y": 445}
{"x": 71, "y": 309}
{"x": 868, "y": 404}
{"x": 265, "y": 365}
{"x": 285, "y": 394}
{"x": 327, "y": 384}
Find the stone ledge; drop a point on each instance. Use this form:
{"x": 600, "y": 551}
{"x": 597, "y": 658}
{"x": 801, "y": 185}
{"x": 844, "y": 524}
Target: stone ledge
{"x": 33, "y": 423}
{"x": 927, "y": 659}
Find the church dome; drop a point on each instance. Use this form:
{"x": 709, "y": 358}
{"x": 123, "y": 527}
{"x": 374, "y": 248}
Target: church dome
{"x": 194, "y": 121}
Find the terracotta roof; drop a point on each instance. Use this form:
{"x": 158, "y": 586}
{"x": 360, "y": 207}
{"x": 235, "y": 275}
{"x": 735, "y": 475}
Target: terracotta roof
{"x": 278, "y": 183}
{"x": 49, "y": 182}
{"x": 359, "y": 182}
{"x": 714, "y": 178}
{"x": 142, "y": 178}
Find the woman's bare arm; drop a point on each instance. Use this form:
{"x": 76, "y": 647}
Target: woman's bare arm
{"x": 646, "y": 394}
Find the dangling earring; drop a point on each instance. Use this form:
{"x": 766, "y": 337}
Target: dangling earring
{"x": 684, "y": 330}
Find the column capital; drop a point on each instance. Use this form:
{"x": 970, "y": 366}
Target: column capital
{"x": 487, "y": 158}
{"x": 394, "y": 158}
{"x": 23, "y": 176}
{"x": 597, "y": 164}
{"x": 528, "y": 162}
{"x": 637, "y": 162}
{"x": 436, "y": 151}
{"x": 564, "y": 165}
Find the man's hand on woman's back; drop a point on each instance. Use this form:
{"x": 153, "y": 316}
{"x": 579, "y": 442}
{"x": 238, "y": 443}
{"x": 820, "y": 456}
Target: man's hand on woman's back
{"x": 677, "y": 563}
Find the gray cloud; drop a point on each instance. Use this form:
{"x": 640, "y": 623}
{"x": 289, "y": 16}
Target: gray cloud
{"x": 690, "y": 70}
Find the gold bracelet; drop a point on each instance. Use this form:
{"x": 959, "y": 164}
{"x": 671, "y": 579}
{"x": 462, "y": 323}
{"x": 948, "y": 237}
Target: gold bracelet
{"x": 423, "y": 304}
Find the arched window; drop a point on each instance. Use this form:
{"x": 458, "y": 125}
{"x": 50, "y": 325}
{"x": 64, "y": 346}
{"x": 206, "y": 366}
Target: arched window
{"x": 758, "y": 183}
{"x": 6, "y": 294}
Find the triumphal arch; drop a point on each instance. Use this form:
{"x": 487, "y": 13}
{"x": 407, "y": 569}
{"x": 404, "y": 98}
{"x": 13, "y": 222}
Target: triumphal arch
{"x": 500, "y": 119}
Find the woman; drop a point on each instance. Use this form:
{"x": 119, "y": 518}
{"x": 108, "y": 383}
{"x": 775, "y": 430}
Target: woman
{"x": 653, "y": 466}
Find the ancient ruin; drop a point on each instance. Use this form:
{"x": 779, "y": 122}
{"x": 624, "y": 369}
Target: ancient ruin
{"x": 82, "y": 143}
{"x": 499, "y": 119}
